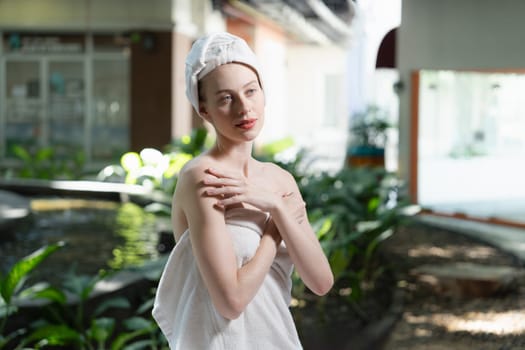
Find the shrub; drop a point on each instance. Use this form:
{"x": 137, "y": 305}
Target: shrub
{"x": 352, "y": 211}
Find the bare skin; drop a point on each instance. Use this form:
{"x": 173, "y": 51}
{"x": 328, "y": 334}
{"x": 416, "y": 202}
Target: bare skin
{"x": 228, "y": 176}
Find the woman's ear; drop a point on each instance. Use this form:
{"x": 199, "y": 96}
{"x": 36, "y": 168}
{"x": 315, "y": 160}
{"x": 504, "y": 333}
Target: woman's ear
{"x": 203, "y": 111}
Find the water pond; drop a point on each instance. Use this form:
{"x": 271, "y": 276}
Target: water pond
{"x": 98, "y": 235}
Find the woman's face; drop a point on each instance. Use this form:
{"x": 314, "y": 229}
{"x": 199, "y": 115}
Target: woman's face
{"x": 232, "y": 101}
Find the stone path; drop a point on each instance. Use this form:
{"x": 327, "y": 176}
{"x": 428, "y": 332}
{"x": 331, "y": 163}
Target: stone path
{"x": 435, "y": 318}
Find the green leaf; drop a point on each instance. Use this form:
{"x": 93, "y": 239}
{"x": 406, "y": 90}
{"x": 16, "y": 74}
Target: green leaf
{"x": 118, "y": 302}
{"x": 177, "y": 161}
{"x": 21, "y": 153}
{"x": 6, "y": 339}
{"x": 325, "y": 227}
{"x": 82, "y": 285}
{"x": 101, "y": 329}
{"x": 124, "y": 338}
{"x": 192, "y": 144}
{"x": 373, "y": 204}
{"x": 338, "y": 262}
{"x": 6, "y": 310}
{"x": 56, "y": 335}
{"x": 52, "y": 294}
{"x": 141, "y": 344}
{"x": 146, "y": 306}
{"x": 76, "y": 284}
{"x": 199, "y": 136}
{"x": 137, "y": 323}
{"x": 44, "y": 154}
{"x": 15, "y": 277}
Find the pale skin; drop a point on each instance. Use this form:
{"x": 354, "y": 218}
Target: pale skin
{"x": 228, "y": 176}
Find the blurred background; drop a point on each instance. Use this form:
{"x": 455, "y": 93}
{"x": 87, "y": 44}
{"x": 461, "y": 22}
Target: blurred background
{"x": 394, "y": 116}
{"x": 105, "y": 77}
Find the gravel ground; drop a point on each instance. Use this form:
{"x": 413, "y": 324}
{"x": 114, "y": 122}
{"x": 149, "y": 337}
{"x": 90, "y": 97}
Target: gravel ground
{"x": 431, "y": 321}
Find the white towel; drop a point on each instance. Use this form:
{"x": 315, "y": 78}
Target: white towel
{"x": 186, "y": 315}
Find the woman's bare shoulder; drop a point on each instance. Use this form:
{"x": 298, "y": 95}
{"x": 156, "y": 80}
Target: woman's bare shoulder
{"x": 280, "y": 175}
{"x": 189, "y": 182}
{"x": 195, "y": 169}
{"x": 189, "y": 199}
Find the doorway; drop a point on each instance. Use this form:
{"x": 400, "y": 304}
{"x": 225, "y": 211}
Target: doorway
{"x": 470, "y": 145}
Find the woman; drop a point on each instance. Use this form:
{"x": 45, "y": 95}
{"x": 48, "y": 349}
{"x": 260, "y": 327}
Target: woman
{"x": 240, "y": 224}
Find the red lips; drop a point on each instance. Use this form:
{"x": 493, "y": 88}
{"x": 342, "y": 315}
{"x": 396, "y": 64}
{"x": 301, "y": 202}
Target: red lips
{"x": 247, "y": 124}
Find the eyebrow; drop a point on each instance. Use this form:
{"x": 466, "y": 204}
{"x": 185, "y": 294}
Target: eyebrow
{"x": 244, "y": 86}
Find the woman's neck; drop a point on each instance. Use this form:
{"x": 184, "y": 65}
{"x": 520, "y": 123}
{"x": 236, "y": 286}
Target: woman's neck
{"x": 237, "y": 157}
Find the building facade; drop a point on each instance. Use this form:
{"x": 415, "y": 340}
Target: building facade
{"x": 103, "y": 77}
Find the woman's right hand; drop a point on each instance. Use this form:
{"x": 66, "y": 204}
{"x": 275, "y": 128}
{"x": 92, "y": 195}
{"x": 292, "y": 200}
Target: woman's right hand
{"x": 232, "y": 189}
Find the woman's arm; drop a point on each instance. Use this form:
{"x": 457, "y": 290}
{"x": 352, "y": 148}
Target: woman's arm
{"x": 230, "y": 288}
{"x": 284, "y": 202}
{"x": 291, "y": 219}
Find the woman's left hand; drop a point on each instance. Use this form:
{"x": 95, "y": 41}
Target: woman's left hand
{"x": 231, "y": 189}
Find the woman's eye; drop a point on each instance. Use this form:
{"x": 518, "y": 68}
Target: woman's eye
{"x": 225, "y": 98}
{"x": 251, "y": 91}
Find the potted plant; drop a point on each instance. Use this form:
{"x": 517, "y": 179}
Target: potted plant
{"x": 368, "y": 137}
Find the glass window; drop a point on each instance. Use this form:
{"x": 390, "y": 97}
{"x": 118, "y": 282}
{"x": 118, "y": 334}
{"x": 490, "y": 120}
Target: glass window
{"x": 109, "y": 133}
{"x": 46, "y": 94}
{"x": 24, "y": 124}
{"x": 66, "y": 106}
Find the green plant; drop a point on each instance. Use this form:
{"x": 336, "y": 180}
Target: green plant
{"x": 156, "y": 170}
{"x": 44, "y": 163}
{"x": 11, "y": 287}
{"x": 272, "y": 152}
{"x": 193, "y": 144}
{"x": 352, "y": 212}
{"x": 66, "y": 325}
{"x": 369, "y": 128}
{"x": 67, "y": 322}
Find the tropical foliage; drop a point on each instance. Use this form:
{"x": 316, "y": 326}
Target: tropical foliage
{"x": 369, "y": 128}
{"x": 64, "y": 317}
{"x": 352, "y": 212}
{"x": 44, "y": 163}
{"x": 152, "y": 168}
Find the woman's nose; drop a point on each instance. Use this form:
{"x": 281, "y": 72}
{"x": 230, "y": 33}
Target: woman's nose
{"x": 243, "y": 105}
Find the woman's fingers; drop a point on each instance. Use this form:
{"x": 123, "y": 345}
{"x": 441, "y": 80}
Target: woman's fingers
{"x": 230, "y": 189}
{"x": 221, "y": 173}
{"x": 211, "y": 181}
{"x": 220, "y": 178}
{"x": 234, "y": 199}
{"x": 224, "y": 191}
